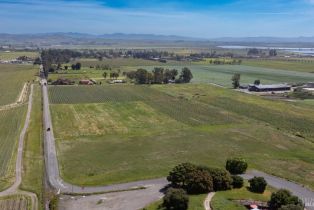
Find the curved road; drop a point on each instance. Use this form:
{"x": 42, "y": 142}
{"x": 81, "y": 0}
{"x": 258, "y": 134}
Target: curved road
{"x": 19, "y": 164}
{"x": 55, "y": 180}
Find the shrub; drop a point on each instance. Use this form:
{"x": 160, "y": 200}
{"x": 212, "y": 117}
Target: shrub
{"x": 178, "y": 175}
{"x": 236, "y": 165}
{"x": 258, "y": 184}
{"x": 198, "y": 182}
{"x": 237, "y": 181}
{"x": 176, "y": 199}
{"x": 282, "y": 198}
{"x": 221, "y": 178}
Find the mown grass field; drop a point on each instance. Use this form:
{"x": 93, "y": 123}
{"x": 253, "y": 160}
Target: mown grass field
{"x": 13, "y": 55}
{"x": 195, "y": 203}
{"x": 134, "y": 132}
{"x": 11, "y": 122}
{"x": 15, "y": 202}
{"x": 301, "y": 65}
{"x": 224, "y": 200}
{"x": 32, "y": 179}
{"x": 13, "y": 78}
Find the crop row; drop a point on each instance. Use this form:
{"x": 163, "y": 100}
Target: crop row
{"x": 10, "y": 124}
{"x": 14, "y": 203}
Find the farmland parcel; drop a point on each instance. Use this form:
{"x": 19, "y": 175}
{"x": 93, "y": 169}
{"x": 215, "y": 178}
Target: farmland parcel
{"x": 134, "y": 132}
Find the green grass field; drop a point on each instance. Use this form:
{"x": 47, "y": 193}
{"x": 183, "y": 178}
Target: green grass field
{"x": 222, "y": 74}
{"x": 195, "y": 203}
{"x": 224, "y": 200}
{"x": 15, "y": 54}
{"x": 13, "y": 78}
{"x": 125, "y": 130}
{"x": 300, "y": 66}
{"x": 32, "y": 179}
{"x": 10, "y": 124}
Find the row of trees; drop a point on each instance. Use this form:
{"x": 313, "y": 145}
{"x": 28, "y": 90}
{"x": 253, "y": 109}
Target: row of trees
{"x": 258, "y": 52}
{"x": 160, "y": 76}
{"x": 187, "y": 178}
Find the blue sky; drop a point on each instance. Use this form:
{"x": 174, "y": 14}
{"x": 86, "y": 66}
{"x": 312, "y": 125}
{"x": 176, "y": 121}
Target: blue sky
{"x": 207, "y": 19}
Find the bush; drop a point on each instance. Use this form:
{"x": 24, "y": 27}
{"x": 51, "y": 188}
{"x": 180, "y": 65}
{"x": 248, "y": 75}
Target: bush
{"x": 258, "y": 184}
{"x": 237, "y": 181}
{"x": 198, "y": 182}
{"x": 236, "y": 165}
{"x": 291, "y": 207}
{"x": 221, "y": 178}
{"x": 176, "y": 199}
{"x": 282, "y": 198}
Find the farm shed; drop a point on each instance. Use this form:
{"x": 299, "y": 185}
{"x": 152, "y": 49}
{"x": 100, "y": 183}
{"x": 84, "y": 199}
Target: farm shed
{"x": 266, "y": 88}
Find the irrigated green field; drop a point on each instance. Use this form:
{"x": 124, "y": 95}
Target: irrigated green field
{"x": 300, "y": 65}
{"x": 10, "y": 124}
{"x": 13, "y": 78}
{"x": 222, "y": 74}
{"x": 134, "y": 132}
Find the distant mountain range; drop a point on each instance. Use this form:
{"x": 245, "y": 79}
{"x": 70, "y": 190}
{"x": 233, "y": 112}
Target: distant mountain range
{"x": 121, "y": 39}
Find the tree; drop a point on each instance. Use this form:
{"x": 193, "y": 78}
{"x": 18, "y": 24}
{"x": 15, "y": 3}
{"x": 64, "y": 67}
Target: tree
{"x": 237, "y": 181}
{"x": 158, "y": 75}
{"x": 198, "y": 182}
{"x": 104, "y": 75}
{"x": 258, "y": 184}
{"x": 78, "y": 66}
{"x": 257, "y": 82}
{"x": 186, "y": 75}
{"x": 176, "y": 199}
{"x": 142, "y": 76}
{"x": 236, "y": 165}
{"x": 236, "y": 80}
{"x": 221, "y": 178}
{"x": 170, "y": 75}
{"x": 273, "y": 52}
{"x": 253, "y": 51}
{"x": 178, "y": 175}
{"x": 282, "y": 198}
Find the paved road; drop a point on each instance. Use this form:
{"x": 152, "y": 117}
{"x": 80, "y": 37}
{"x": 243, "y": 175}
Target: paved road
{"x": 130, "y": 200}
{"x": 19, "y": 164}
{"x": 305, "y": 194}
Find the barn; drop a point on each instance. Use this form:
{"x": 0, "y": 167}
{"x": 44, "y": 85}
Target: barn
{"x": 267, "y": 88}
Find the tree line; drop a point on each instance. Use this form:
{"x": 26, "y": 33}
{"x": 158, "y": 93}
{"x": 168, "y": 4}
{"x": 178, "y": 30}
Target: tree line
{"x": 160, "y": 76}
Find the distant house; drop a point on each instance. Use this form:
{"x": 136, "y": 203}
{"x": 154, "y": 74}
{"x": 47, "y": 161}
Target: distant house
{"x": 308, "y": 86}
{"x": 268, "y": 88}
